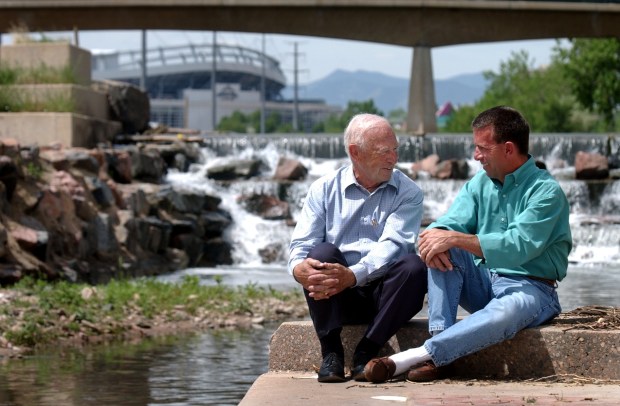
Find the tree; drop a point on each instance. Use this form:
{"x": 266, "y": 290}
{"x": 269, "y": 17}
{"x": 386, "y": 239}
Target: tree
{"x": 242, "y": 123}
{"x": 237, "y": 122}
{"x": 541, "y": 95}
{"x": 592, "y": 67}
{"x": 460, "y": 121}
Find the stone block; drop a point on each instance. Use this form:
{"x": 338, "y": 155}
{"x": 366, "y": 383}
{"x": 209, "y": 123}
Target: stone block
{"x": 555, "y": 349}
{"x": 86, "y": 101}
{"x": 57, "y": 55}
{"x": 68, "y": 129}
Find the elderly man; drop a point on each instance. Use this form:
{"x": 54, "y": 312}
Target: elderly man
{"x": 353, "y": 248}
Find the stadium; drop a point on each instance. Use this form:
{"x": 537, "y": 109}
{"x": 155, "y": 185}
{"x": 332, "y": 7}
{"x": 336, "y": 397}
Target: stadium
{"x": 178, "y": 80}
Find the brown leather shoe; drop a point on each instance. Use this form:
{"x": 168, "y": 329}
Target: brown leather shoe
{"x": 379, "y": 370}
{"x": 425, "y": 372}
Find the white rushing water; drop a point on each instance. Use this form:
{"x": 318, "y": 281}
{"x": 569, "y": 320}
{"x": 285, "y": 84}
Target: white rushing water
{"x": 596, "y": 230}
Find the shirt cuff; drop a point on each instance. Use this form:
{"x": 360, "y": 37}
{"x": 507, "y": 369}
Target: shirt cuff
{"x": 361, "y": 274}
{"x": 292, "y": 264}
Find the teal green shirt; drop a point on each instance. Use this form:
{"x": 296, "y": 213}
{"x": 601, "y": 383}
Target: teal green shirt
{"x": 522, "y": 225}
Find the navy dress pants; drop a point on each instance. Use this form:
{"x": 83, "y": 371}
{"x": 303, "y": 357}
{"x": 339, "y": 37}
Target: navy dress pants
{"x": 393, "y": 295}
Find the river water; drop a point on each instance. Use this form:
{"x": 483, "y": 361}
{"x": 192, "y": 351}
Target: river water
{"x": 213, "y": 368}
{"x": 217, "y": 368}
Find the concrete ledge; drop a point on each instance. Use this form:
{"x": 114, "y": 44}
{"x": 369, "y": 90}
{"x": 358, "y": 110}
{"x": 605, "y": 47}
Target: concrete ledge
{"x": 58, "y": 55}
{"x": 85, "y": 101}
{"x": 555, "y": 349}
{"x": 69, "y": 129}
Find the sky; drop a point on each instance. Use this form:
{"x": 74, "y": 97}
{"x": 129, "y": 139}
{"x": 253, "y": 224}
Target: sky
{"x": 318, "y": 57}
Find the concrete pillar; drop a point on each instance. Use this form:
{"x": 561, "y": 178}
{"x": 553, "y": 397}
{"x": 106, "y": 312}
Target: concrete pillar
{"x": 422, "y": 106}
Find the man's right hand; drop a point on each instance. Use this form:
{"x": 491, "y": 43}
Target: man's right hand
{"x": 322, "y": 279}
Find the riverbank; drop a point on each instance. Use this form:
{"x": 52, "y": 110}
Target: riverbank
{"x": 35, "y": 314}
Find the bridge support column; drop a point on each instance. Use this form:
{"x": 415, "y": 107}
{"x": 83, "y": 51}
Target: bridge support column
{"x": 422, "y": 106}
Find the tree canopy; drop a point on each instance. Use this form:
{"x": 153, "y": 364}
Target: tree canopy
{"x": 592, "y": 70}
{"x": 578, "y": 91}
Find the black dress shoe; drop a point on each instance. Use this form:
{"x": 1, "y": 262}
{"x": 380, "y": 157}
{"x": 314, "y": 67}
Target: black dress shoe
{"x": 332, "y": 368}
{"x": 360, "y": 360}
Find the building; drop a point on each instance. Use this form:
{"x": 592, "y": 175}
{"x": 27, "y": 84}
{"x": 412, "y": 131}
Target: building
{"x": 178, "y": 81}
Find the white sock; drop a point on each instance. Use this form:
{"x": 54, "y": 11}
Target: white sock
{"x": 406, "y": 359}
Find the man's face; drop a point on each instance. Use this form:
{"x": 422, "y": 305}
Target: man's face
{"x": 378, "y": 157}
{"x": 490, "y": 154}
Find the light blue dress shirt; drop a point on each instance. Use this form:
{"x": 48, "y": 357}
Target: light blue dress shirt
{"x": 371, "y": 229}
{"x": 523, "y": 225}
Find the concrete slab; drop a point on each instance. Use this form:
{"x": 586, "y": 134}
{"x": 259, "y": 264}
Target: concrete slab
{"x": 299, "y": 389}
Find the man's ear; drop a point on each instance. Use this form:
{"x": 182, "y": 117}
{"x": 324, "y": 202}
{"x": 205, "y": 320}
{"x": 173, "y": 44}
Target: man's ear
{"x": 354, "y": 151}
{"x": 510, "y": 148}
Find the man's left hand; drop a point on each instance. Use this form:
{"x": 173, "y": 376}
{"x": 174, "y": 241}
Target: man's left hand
{"x": 433, "y": 245}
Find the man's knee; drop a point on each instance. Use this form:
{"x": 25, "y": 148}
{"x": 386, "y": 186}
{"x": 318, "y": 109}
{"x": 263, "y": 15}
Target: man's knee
{"x": 410, "y": 269}
{"x": 327, "y": 252}
{"x": 414, "y": 265}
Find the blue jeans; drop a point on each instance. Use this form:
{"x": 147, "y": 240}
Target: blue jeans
{"x": 500, "y": 306}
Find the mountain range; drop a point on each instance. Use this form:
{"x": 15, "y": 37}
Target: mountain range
{"x": 388, "y": 92}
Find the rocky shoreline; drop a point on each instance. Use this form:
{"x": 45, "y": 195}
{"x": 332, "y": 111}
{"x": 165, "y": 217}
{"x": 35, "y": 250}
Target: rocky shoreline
{"x": 92, "y": 215}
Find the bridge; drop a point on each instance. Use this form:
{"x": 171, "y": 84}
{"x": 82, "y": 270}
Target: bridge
{"x": 421, "y": 24}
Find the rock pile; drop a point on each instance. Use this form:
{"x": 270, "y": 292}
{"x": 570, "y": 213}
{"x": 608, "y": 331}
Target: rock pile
{"x": 90, "y": 215}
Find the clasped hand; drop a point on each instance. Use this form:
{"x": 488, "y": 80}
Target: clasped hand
{"x": 323, "y": 279}
{"x": 433, "y": 246}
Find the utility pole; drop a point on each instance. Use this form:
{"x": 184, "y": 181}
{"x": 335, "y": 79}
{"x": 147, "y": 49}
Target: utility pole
{"x": 262, "y": 88}
{"x": 213, "y": 73}
{"x": 295, "y": 90}
{"x": 143, "y": 64}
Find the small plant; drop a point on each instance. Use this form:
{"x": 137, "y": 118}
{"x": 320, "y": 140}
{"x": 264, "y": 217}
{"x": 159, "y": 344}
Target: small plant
{"x": 44, "y": 74}
{"x": 34, "y": 170}
{"x": 22, "y": 35}
{"x": 8, "y": 76}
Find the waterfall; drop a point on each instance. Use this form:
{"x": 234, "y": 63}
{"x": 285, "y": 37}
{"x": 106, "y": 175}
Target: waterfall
{"x": 594, "y": 222}
{"x": 546, "y": 147}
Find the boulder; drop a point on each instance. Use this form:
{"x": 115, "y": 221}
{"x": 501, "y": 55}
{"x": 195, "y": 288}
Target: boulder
{"x": 591, "y": 166}
{"x": 129, "y": 105}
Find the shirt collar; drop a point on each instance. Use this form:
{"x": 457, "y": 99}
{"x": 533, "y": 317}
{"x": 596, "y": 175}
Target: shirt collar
{"x": 522, "y": 172}
{"x": 349, "y": 180}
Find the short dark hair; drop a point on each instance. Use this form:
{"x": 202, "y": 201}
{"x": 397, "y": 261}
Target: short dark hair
{"x": 508, "y": 125}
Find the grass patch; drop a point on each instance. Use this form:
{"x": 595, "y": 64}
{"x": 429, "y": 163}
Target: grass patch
{"x": 40, "y": 75}
{"x": 41, "y": 312}
{"x": 13, "y": 100}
